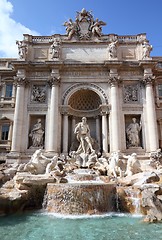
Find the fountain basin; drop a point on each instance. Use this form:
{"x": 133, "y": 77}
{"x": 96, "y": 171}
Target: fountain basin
{"x": 80, "y": 198}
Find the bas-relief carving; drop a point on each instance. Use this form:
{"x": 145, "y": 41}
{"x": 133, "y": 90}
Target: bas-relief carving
{"x": 38, "y": 94}
{"x": 131, "y": 93}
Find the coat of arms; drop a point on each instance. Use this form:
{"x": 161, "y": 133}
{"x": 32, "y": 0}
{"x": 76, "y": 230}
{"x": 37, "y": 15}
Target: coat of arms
{"x": 84, "y": 27}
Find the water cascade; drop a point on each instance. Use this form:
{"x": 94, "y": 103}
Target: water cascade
{"x": 83, "y": 194}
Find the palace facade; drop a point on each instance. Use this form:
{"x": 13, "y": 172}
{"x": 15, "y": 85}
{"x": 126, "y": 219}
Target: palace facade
{"x": 58, "y": 79}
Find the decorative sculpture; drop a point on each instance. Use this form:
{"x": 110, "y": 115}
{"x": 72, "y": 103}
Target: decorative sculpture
{"x": 132, "y": 132}
{"x": 55, "y": 49}
{"x": 38, "y": 94}
{"x": 146, "y": 49}
{"x": 84, "y": 27}
{"x": 112, "y": 49}
{"x": 22, "y": 49}
{"x": 83, "y": 135}
{"x": 37, "y": 134}
{"x": 133, "y": 165}
{"x": 96, "y": 27}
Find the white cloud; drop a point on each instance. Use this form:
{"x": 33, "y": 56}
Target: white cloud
{"x": 10, "y": 31}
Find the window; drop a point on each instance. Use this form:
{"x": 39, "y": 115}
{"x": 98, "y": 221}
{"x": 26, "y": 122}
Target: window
{"x": 160, "y": 90}
{"x": 5, "y": 131}
{"x": 8, "y": 93}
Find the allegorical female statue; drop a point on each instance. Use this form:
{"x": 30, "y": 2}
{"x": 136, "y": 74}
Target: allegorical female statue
{"x": 132, "y": 132}
{"x": 37, "y": 134}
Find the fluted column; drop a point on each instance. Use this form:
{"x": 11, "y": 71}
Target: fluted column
{"x": 54, "y": 113}
{"x": 151, "y": 114}
{"x": 115, "y": 132}
{"x": 65, "y": 133}
{"x": 18, "y": 114}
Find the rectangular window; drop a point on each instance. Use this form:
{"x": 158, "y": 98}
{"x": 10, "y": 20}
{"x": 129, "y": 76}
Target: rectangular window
{"x": 5, "y": 132}
{"x": 8, "y": 93}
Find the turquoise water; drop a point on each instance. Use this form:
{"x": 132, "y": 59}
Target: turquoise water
{"x": 38, "y": 226}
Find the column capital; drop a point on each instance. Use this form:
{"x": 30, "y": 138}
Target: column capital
{"x": 104, "y": 110}
{"x": 54, "y": 78}
{"x": 64, "y": 110}
{"x": 148, "y": 79}
{"x": 20, "y": 81}
{"x": 114, "y": 79}
{"x": 54, "y": 81}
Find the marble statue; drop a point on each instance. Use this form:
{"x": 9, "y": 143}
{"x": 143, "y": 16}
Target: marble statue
{"x": 132, "y": 132}
{"x": 51, "y": 165}
{"x": 82, "y": 132}
{"x": 35, "y": 166}
{"x": 22, "y": 49}
{"x": 37, "y": 134}
{"x": 114, "y": 167}
{"x": 55, "y": 49}
{"x": 96, "y": 27}
{"x": 71, "y": 28}
{"x": 133, "y": 165}
{"x": 112, "y": 49}
{"x": 84, "y": 26}
{"x": 146, "y": 50}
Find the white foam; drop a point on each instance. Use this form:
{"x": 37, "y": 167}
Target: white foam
{"x": 84, "y": 216}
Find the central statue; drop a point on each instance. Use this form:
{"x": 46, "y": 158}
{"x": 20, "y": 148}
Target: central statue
{"x": 82, "y": 132}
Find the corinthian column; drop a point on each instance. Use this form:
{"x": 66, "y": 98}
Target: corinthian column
{"x": 104, "y": 133}
{"x": 18, "y": 114}
{"x": 151, "y": 114}
{"x": 114, "y": 113}
{"x": 54, "y": 114}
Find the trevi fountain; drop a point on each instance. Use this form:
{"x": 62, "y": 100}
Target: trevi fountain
{"x": 83, "y": 167}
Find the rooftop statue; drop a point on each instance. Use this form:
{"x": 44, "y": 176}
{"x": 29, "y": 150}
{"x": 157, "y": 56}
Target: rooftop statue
{"x": 84, "y": 27}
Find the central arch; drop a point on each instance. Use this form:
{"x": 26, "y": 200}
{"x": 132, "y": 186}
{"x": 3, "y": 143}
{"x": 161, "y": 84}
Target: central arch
{"x": 88, "y": 100}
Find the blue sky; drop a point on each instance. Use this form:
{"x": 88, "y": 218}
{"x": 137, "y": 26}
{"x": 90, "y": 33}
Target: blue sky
{"x": 45, "y": 17}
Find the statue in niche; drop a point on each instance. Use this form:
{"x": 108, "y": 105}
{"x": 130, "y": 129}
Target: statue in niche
{"x": 82, "y": 132}
{"x": 55, "y": 49}
{"x": 132, "y": 132}
{"x": 38, "y": 94}
{"x": 37, "y": 134}
{"x": 146, "y": 50}
{"x": 112, "y": 49}
{"x": 96, "y": 27}
{"x": 22, "y": 49}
